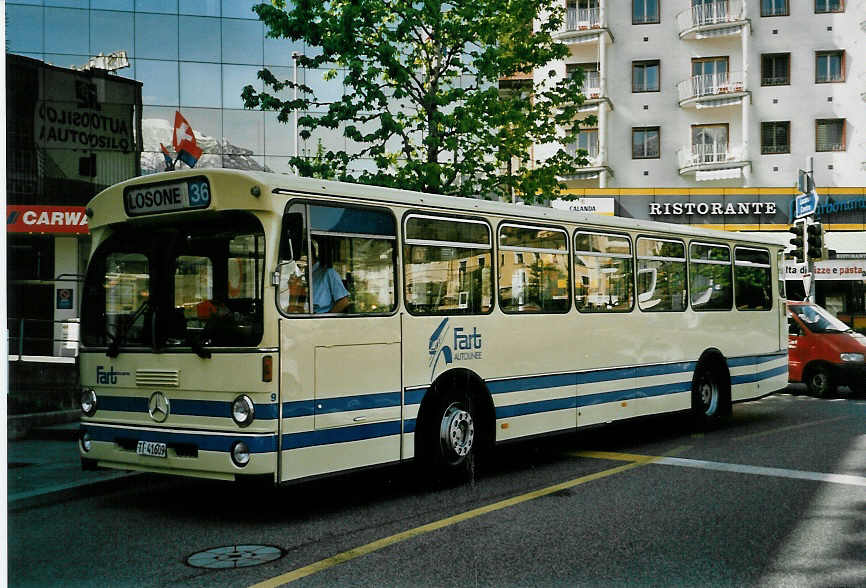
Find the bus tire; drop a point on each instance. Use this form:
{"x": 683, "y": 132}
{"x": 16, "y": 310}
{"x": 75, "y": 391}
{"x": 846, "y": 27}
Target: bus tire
{"x": 711, "y": 392}
{"x": 819, "y": 381}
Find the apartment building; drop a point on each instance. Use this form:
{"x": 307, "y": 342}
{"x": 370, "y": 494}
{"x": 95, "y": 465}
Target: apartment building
{"x": 730, "y": 93}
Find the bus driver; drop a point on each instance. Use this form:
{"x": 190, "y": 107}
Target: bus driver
{"x": 329, "y": 293}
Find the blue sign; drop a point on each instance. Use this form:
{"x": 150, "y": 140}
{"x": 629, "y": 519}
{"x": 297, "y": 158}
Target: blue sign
{"x": 806, "y": 204}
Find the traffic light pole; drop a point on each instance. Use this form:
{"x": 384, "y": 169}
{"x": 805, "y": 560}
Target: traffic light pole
{"x": 808, "y": 241}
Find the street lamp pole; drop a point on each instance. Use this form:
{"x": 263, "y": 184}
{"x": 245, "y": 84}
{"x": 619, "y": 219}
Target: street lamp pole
{"x": 295, "y": 56}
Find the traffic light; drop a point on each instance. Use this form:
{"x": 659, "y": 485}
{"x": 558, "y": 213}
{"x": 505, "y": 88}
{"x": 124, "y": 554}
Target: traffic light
{"x": 797, "y": 253}
{"x": 815, "y": 241}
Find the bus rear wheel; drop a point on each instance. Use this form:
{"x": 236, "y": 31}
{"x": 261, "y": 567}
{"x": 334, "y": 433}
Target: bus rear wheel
{"x": 710, "y": 400}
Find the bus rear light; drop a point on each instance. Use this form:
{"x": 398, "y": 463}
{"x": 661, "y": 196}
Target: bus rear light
{"x": 267, "y": 368}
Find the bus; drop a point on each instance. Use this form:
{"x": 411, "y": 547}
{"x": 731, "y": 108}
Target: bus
{"x": 251, "y": 325}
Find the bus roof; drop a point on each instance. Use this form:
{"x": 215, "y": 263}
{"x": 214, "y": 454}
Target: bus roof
{"x": 107, "y": 206}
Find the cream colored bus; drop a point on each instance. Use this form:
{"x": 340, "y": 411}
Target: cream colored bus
{"x": 248, "y": 324}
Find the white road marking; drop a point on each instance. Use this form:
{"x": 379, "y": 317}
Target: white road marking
{"x": 763, "y": 471}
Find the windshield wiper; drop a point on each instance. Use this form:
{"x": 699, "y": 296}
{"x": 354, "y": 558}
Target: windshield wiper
{"x": 120, "y": 339}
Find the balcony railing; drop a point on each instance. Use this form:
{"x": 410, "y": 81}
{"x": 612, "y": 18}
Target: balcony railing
{"x": 591, "y": 87}
{"x": 579, "y": 19}
{"x": 710, "y": 15}
{"x": 698, "y": 155}
{"x": 711, "y": 85}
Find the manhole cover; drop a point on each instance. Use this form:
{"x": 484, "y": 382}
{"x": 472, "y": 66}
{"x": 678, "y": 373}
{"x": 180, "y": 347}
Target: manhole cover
{"x": 234, "y": 556}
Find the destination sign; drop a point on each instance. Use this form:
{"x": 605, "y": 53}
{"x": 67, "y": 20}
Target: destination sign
{"x": 167, "y": 197}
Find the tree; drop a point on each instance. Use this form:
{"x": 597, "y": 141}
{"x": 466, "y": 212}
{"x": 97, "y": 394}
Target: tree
{"x": 422, "y": 97}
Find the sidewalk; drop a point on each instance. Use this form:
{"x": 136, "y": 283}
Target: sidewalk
{"x": 45, "y": 468}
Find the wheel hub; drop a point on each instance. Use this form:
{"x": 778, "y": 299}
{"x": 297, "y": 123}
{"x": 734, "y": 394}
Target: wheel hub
{"x": 457, "y": 432}
{"x": 709, "y": 396}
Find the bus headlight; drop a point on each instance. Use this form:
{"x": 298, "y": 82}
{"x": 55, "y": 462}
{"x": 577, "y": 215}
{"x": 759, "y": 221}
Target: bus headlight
{"x": 243, "y": 410}
{"x": 240, "y": 454}
{"x": 86, "y": 442}
{"x": 88, "y": 401}
{"x": 851, "y": 357}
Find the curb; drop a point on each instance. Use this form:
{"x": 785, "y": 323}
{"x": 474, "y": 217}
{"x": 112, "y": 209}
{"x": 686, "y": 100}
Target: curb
{"x": 71, "y": 490}
{"x": 19, "y": 425}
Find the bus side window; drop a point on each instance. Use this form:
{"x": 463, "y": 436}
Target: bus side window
{"x": 447, "y": 266}
{"x": 293, "y": 286}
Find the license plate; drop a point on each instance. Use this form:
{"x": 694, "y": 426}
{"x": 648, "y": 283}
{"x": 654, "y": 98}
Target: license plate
{"x": 151, "y": 448}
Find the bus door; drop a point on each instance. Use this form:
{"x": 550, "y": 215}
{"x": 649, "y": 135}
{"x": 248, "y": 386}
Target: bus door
{"x": 340, "y": 338}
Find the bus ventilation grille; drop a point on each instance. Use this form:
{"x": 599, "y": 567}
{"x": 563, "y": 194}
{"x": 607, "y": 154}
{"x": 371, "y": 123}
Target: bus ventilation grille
{"x": 152, "y": 378}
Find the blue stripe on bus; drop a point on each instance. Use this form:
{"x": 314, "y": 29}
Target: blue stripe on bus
{"x": 180, "y": 406}
{"x": 301, "y": 408}
{"x": 340, "y": 435}
{"x": 204, "y": 442}
{"x": 755, "y": 359}
{"x": 765, "y": 375}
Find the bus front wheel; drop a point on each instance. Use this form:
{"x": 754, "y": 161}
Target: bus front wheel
{"x": 451, "y": 438}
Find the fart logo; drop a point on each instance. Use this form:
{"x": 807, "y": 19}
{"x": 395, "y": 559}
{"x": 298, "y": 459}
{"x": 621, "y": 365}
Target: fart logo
{"x": 464, "y": 345}
{"x": 108, "y": 377}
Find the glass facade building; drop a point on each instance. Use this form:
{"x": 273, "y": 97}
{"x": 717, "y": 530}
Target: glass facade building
{"x": 194, "y": 56}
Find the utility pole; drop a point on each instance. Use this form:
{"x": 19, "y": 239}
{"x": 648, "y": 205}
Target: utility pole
{"x": 808, "y": 241}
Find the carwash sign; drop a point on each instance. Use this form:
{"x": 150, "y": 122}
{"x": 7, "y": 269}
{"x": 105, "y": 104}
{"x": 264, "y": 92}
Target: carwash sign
{"x": 46, "y": 219}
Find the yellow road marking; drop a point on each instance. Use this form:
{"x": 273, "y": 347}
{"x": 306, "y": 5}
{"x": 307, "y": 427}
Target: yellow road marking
{"x": 635, "y": 462}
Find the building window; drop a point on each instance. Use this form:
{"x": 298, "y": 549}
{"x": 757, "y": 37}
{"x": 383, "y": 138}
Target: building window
{"x": 775, "y": 137}
{"x": 829, "y": 6}
{"x": 645, "y": 143}
{"x": 829, "y": 67}
{"x": 710, "y": 143}
{"x": 645, "y": 12}
{"x": 775, "y": 69}
{"x": 830, "y": 134}
{"x": 645, "y": 76}
{"x": 587, "y": 140}
{"x": 774, "y": 7}
{"x": 591, "y": 86}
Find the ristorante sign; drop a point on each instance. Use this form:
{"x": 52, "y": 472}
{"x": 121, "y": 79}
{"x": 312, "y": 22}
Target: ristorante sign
{"x": 46, "y": 219}
{"x": 712, "y": 208}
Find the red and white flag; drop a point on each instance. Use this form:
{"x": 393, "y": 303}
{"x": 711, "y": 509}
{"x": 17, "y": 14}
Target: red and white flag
{"x": 183, "y": 140}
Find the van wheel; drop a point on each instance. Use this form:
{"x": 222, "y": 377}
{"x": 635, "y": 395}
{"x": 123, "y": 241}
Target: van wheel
{"x": 819, "y": 382}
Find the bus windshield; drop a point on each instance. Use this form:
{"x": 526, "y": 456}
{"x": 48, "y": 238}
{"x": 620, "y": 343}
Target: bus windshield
{"x": 194, "y": 284}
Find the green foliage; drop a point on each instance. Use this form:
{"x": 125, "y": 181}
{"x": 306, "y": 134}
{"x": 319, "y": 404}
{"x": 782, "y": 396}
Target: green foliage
{"x": 422, "y": 97}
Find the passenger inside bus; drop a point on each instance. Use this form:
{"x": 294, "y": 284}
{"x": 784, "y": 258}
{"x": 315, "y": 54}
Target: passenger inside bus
{"x": 329, "y": 292}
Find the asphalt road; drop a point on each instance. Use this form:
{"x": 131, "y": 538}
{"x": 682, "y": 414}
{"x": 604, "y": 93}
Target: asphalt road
{"x": 777, "y": 496}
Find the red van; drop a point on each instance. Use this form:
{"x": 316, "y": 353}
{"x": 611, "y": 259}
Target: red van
{"x": 823, "y": 351}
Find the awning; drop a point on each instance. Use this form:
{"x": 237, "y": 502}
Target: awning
{"x": 718, "y": 174}
{"x": 590, "y": 37}
{"x": 719, "y": 102}
{"x": 722, "y": 32}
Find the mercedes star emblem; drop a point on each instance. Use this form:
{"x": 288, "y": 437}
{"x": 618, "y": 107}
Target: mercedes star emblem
{"x": 157, "y": 407}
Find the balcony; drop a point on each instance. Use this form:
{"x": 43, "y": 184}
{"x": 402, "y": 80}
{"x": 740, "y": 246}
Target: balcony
{"x": 716, "y": 19}
{"x": 594, "y": 167}
{"x": 582, "y": 25}
{"x": 591, "y": 90}
{"x": 712, "y": 90}
{"x": 711, "y": 162}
